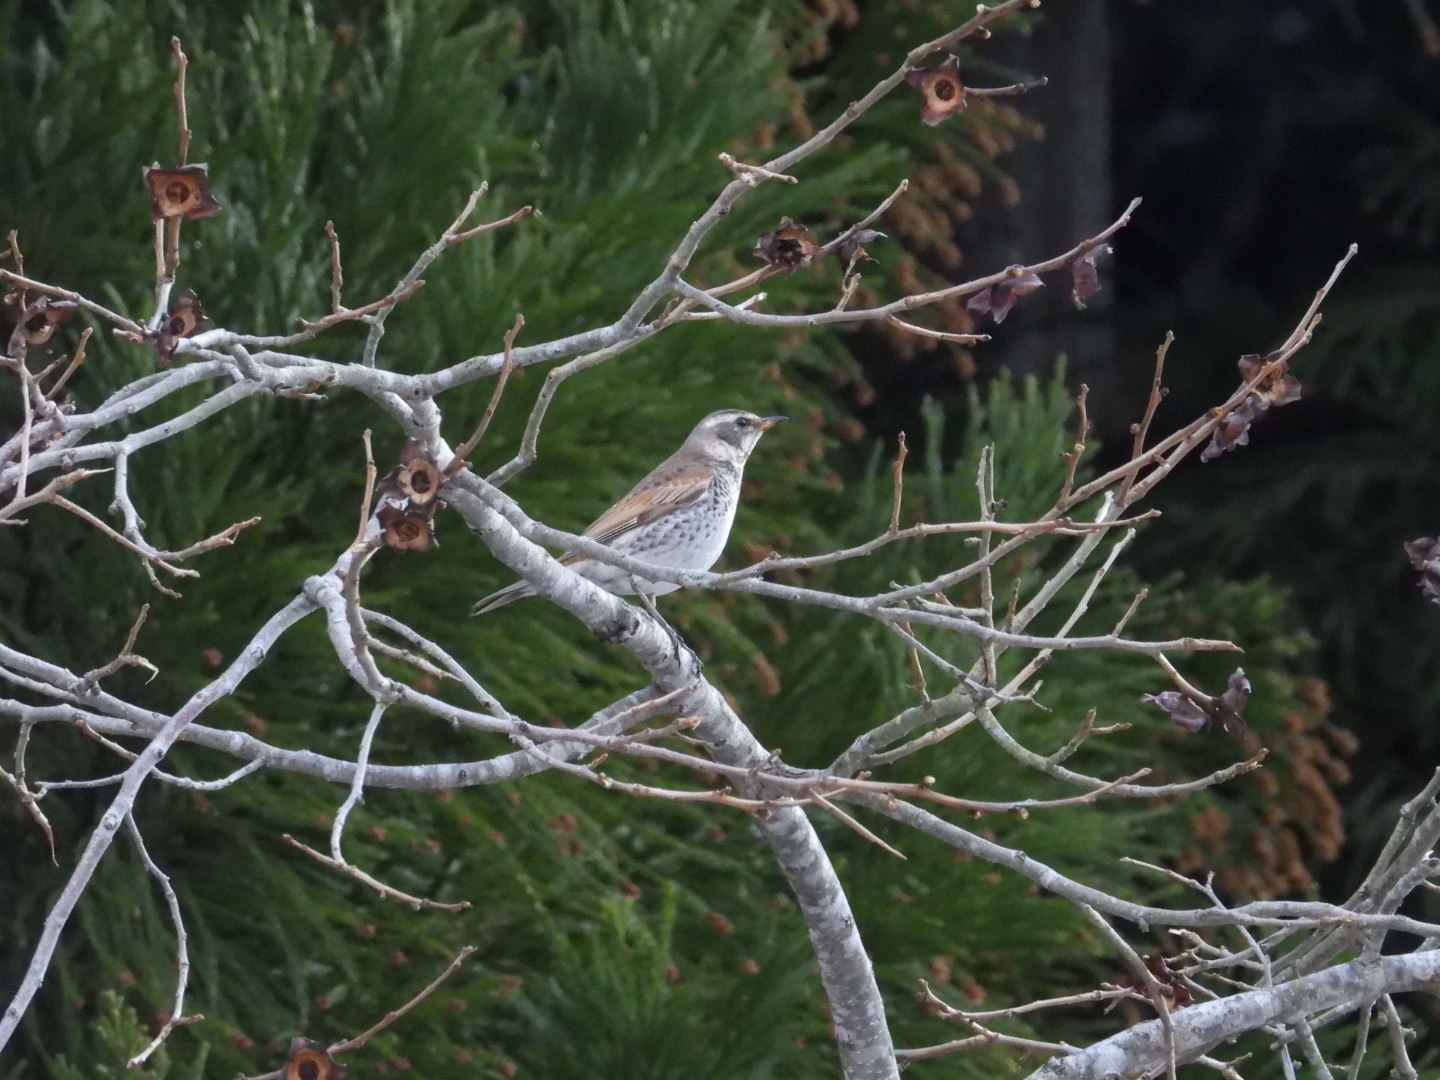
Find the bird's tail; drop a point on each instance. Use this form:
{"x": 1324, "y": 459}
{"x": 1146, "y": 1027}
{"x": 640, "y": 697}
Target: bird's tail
{"x": 518, "y": 591}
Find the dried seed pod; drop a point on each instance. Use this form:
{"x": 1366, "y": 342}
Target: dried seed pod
{"x": 942, "y": 90}
{"x": 997, "y": 300}
{"x": 309, "y": 1060}
{"x": 789, "y": 247}
{"x": 186, "y": 319}
{"x": 38, "y": 322}
{"x": 182, "y": 192}
{"x": 406, "y": 530}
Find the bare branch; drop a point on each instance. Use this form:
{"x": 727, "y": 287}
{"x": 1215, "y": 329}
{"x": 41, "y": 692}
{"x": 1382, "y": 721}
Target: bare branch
{"x": 124, "y": 800}
{"x": 177, "y": 1017}
{"x": 389, "y": 892}
{"x": 390, "y": 1017}
{"x": 907, "y": 303}
{"x": 32, "y": 807}
{"x": 127, "y": 657}
{"x": 464, "y": 450}
{"x": 337, "y": 276}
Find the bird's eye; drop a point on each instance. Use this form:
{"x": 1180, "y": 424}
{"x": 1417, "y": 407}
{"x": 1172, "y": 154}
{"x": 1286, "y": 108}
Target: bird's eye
{"x": 742, "y": 421}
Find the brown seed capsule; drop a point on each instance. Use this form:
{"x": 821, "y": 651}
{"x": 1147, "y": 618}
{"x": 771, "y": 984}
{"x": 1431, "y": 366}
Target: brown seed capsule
{"x": 309, "y": 1060}
{"x": 942, "y": 90}
{"x": 417, "y": 478}
{"x": 997, "y": 300}
{"x": 182, "y": 192}
{"x": 406, "y": 531}
{"x": 38, "y": 322}
{"x": 789, "y": 247}
{"x": 185, "y": 320}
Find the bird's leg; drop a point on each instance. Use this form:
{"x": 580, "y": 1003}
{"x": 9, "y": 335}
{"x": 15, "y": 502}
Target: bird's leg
{"x": 649, "y": 605}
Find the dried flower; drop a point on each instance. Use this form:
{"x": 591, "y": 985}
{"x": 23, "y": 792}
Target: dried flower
{"x": 1171, "y": 980}
{"x": 410, "y": 499}
{"x": 309, "y": 1060}
{"x": 1231, "y": 704}
{"x": 853, "y": 246}
{"x": 1192, "y": 715}
{"x": 406, "y": 530}
{"x": 942, "y": 90}
{"x": 1277, "y": 388}
{"x": 38, "y": 322}
{"x": 417, "y": 477}
{"x": 186, "y": 319}
{"x": 1183, "y": 710}
{"x": 182, "y": 192}
{"x": 1234, "y": 430}
{"x": 1425, "y": 558}
{"x": 789, "y": 247}
{"x": 1086, "y": 275}
{"x": 997, "y": 300}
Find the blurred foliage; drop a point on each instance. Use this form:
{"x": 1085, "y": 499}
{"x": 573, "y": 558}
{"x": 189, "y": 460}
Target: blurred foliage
{"x": 611, "y": 934}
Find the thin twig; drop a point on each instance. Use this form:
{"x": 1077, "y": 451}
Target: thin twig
{"x": 464, "y": 450}
{"x": 75, "y": 361}
{"x": 100, "y": 839}
{"x": 411, "y": 281}
{"x": 337, "y": 276}
{"x": 1152, "y": 987}
{"x": 25, "y": 428}
{"x": 1006, "y": 91}
{"x": 375, "y": 307}
{"x": 13, "y": 239}
{"x": 855, "y": 826}
{"x": 754, "y": 174}
{"x": 1142, "y": 429}
{"x": 905, "y": 304}
{"x": 390, "y": 1017}
{"x": 1072, "y": 459}
{"x": 490, "y": 226}
{"x": 934, "y": 1004}
{"x": 127, "y": 656}
{"x": 369, "y": 497}
{"x": 177, "y": 1017}
{"x": 181, "y": 63}
{"x": 357, "y": 783}
{"x": 938, "y": 335}
{"x": 415, "y": 903}
{"x": 897, "y": 486}
{"x": 23, "y": 283}
{"x": 1397, "y": 1031}
{"x": 32, "y": 807}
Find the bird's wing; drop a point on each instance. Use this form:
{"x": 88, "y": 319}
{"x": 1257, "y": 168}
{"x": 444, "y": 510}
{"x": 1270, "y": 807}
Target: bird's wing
{"x": 664, "y": 491}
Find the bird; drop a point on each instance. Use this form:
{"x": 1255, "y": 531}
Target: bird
{"x": 679, "y": 515}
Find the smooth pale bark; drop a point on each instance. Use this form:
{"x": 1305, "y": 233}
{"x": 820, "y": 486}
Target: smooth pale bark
{"x": 1140, "y": 1051}
{"x": 857, "y": 1009}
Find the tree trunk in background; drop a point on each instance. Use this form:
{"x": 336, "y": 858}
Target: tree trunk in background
{"x": 1064, "y": 185}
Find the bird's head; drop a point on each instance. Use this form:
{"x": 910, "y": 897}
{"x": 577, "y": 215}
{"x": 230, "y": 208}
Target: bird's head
{"x": 731, "y": 433}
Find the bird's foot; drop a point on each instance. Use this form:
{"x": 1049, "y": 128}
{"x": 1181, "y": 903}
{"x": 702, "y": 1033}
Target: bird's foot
{"x": 679, "y": 644}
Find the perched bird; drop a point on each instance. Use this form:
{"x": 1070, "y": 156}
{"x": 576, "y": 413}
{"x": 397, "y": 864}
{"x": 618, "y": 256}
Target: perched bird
{"x": 680, "y": 515}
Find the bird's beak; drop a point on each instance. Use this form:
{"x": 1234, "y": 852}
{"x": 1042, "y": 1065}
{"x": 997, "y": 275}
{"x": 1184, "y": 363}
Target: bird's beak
{"x": 770, "y": 421}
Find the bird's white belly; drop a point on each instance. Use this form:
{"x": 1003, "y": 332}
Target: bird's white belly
{"x": 692, "y": 540}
